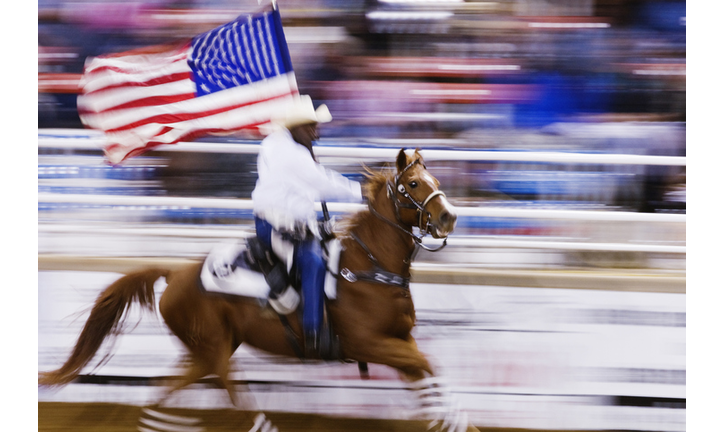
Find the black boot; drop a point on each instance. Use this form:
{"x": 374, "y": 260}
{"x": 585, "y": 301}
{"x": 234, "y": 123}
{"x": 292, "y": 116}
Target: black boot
{"x": 311, "y": 344}
{"x": 329, "y": 344}
{"x": 321, "y": 344}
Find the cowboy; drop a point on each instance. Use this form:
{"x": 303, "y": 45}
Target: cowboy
{"x": 290, "y": 182}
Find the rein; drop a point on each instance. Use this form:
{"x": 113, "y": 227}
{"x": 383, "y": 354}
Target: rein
{"x": 416, "y": 238}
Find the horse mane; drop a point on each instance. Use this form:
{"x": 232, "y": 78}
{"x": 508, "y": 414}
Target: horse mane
{"x": 375, "y": 181}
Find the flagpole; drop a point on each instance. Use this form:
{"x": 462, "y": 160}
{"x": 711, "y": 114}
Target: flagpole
{"x": 273, "y": 4}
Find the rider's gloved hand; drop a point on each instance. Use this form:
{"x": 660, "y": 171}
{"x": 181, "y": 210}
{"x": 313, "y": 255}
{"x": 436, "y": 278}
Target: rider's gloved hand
{"x": 326, "y": 229}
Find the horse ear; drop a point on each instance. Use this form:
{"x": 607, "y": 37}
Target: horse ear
{"x": 401, "y": 160}
{"x": 418, "y": 155}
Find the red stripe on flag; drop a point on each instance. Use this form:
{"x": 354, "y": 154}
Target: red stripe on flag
{"x": 174, "y": 118}
{"x": 165, "y": 130}
{"x": 152, "y": 82}
{"x": 149, "y": 101}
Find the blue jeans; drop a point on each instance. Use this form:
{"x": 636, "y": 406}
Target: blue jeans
{"x": 310, "y": 262}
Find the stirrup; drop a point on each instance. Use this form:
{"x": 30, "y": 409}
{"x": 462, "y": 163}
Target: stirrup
{"x": 286, "y": 302}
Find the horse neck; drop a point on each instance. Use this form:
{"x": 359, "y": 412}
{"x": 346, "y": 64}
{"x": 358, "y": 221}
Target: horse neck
{"x": 390, "y": 244}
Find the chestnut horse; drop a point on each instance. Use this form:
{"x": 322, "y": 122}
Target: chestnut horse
{"x": 373, "y": 313}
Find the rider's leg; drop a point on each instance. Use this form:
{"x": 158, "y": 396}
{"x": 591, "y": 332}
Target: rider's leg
{"x": 312, "y": 269}
{"x": 263, "y": 231}
{"x": 282, "y": 297}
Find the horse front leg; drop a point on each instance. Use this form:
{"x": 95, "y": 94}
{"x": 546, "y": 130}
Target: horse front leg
{"x": 436, "y": 402}
{"x": 400, "y": 354}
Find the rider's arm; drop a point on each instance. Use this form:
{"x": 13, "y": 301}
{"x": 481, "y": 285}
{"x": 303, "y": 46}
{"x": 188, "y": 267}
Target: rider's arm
{"x": 327, "y": 183}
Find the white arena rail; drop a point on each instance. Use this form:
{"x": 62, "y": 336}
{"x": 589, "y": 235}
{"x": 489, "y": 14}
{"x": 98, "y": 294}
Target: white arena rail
{"x": 246, "y": 204}
{"x": 461, "y": 241}
{"x": 84, "y": 139}
{"x": 96, "y": 142}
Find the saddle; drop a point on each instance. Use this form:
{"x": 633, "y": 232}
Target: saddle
{"x": 246, "y": 268}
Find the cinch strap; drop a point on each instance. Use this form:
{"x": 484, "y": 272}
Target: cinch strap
{"x": 377, "y": 276}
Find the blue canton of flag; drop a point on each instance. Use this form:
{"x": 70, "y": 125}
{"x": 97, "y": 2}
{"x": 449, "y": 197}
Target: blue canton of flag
{"x": 250, "y": 49}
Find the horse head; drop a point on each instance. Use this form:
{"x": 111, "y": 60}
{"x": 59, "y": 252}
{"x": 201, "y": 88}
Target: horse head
{"x": 418, "y": 199}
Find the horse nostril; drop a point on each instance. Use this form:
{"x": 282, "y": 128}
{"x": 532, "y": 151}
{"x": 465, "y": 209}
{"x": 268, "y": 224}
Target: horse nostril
{"x": 445, "y": 218}
{"x": 448, "y": 218}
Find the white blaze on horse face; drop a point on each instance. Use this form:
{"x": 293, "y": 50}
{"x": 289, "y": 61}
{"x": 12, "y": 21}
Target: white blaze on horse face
{"x": 452, "y": 217}
{"x": 440, "y": 231}
{"x": 428, "y": 178}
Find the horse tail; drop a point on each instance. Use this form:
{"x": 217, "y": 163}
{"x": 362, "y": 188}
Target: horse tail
{"x": 106, "y": 319}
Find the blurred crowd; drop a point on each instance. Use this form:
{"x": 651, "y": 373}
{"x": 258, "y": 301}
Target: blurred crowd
{"x": 570, "y": 59}
{"x": 564, "y": 75}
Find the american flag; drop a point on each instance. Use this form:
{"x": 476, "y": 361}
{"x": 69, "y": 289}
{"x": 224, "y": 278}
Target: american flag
{"x": 236, "y": 76}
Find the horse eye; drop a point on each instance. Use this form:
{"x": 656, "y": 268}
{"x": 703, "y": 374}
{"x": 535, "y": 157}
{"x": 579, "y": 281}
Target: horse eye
{"x": 413, "y": 184}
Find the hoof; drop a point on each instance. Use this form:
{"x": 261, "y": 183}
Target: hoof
{"x": 263, "y": 424}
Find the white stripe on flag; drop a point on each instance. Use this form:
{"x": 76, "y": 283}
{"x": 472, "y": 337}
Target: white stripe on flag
{"x": 135, "y": 61}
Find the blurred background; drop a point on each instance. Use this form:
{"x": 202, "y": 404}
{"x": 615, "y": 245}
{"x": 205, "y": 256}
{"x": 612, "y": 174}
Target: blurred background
{"x": 588, "y": 78}
{"x": 584, "y": 77}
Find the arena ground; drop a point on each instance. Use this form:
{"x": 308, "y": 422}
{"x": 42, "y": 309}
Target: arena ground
{"x": 616, "y": 297}
{"x": 87, "y": 417}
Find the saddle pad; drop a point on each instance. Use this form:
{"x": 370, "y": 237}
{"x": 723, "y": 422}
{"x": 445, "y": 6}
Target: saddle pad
{"x": 220, "y": 276}
{"x": 334, "y": 248}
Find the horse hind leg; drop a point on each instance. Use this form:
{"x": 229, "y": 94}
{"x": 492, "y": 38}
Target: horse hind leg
{"x": 193, "y": 374}
{"x": 210, "y": 362}
{"x": 155, "y": 417}
{"x": 219, "y": 366}
{"x": 221, "y": 372}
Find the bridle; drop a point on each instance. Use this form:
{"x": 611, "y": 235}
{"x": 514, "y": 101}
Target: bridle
{"x": 393, "y": 190}
{"x": 377, "y": 274}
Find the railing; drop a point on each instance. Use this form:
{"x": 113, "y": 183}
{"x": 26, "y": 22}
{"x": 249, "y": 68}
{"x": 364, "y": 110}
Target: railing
{"x": 95, "y": 143}
{"x": 245, "y": 204}
{"x": 76, "y": 139}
